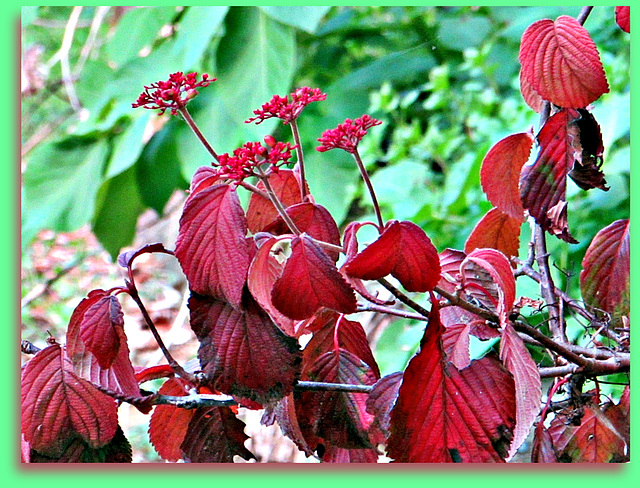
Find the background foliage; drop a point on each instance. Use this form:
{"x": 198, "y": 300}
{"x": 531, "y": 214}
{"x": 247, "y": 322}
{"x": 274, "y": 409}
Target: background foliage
{"x": 443, "y": 79}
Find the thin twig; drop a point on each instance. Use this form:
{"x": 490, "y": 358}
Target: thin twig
{"x": 98, "y": 17}
{"x": 372, "y": 307}
{"x": 65, "y": 68}
{"x": 404, "y": 298}
{"x": 300, "y": 157}
{"x": 194, "y": 127}
{"x": 372, "y": 193}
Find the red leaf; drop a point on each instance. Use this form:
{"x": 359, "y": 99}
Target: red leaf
{"x": 404, "y": 251}
{"x": 211, "y": 245}
{"x": 126, "y": 258}
{"x": 381, "y": 400}
{"x": 520, "y": 364}
{"x": 496, "y": 230}
{"x": 168, "y": 424}
{"x": 543, "y": 185}
{"x": 450, "y": 261}
{"x": 119, "y": 375}
{"x": 337, "y": 417}
{"x": 342, "y": 333}
{"x": 586, "y": 171}
{"x": 312, "y": 219}
{"x": 309, "y": 281}
{"x": 58, "y": 406}
{"x": 620, "y": 415}
{"x": 593, "y": 440}
{"x": 204, "y": 177}
{"x": 488, "y": 276}
{"x": 264, "y": 271}
{"x": 562, "y": 63}
{"x": 606, "y": 270}
{"x": 102, "y": 330}
{"x": 531, "y": 97}
{"x": 455, "y": 343}
{"x": 261, "y": 212}
{"x": 446, "y": 415}
{"x": 215, "y": 435}
{"x": 500, "y": 172}
{"x": 542, "y": 450}
{"x": 340, "y": 455}
{"x": 284, "y": 412}
{"x": 623, "y": 18}
{"x": 243, "y": 352}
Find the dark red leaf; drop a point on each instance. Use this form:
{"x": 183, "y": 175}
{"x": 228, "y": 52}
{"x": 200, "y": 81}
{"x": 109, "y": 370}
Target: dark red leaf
{"x": 542, "y": 450}
{"x": 446, "y": 415}
{"x": 500, "y": 173}
{"x": 337, "y": 417}
{"x": 119, "y": 376}
{"x": 561, "y": 62}
{"x": 340, "y": 455}
{"x": 312, "y": 219}
{"x": 168, "y": 424}
{"x": 154, "y": 372}
{"x": 126, "y": 258}
{"x": 591, "y": 439}
{"x": 586, "y": 171}
{"x": 58, "y": 406}
{"x": 404, "y": 251}
{"x": 518, "y": 361}
{"x": 620, "y": 415}
{"x": 381, "y": 400}
{"x": 496, "y": 230}
{"x": 450, "y": 261}
{"x": 264, "y": 271}
{"x": 261, "y": 212}
{"x": 543, "y": 185}
{"x": 455, "y": 342}
{"x": 284, "y": 412}
{"x": 211, "y": 245}
{"x": 204, "y": 177}
{"x": 623, "y": 18}
{"x": 243, "y": 352}
{"x": 215, "y": 435}
{"x": 606, "y": 270}
{"x": 309, "y": 281}
{"x": 102, "y": 330}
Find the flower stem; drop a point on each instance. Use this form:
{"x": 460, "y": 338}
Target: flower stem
{"x": 367, "y": 181}
{"x": 277, "y": 203}
{"x": 300, "y": 157}
{"x": 192, "y": 124}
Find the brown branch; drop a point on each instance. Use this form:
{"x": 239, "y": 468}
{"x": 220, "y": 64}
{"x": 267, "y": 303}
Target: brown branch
{"x": 372, "y": 307}
{"x": 404, "y": 298}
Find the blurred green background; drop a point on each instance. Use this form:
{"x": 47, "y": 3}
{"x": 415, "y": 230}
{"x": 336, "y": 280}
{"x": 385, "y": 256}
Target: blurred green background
{"x": 444, "y": 81}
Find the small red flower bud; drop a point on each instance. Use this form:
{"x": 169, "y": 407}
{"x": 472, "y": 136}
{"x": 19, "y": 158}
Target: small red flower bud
{"x": 286, "y": 110}
{"x": 347, "y": 135}
{"x": 269, "y": 141}
{"x": 173, "y": 93}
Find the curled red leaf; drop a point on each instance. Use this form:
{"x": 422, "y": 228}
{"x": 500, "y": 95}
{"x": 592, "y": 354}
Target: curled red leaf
{"x": 623, "y": 18}
{"x": 561, "y": 62}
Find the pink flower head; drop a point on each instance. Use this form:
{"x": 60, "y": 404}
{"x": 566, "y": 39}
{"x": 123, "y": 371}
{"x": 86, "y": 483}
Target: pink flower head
{"x": 286, "y": 110}
{"x": 173, "y": 93}
{"x": 246, "y": 159}
{"x": 347, "y": 135}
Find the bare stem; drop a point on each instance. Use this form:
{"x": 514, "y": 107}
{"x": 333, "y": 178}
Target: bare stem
{"x": 405, "y": 299}
{"x": 278, "y": 204}
{"x": 372, "y": 307}
{"x": 192, "y": 124}
{"x": 372, "y": 193}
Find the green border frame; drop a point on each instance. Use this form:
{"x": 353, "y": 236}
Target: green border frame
{"x": 14, "y": 474}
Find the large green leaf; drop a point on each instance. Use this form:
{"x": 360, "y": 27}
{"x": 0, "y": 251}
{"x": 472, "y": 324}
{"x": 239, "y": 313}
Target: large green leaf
{"x": 137, "y": 29}
{"x": 304, "y": 17}
{"x": 255, "y": 60}
{"x": 119, "y": 205}
{"x": 128, "y": 145}
{"x": 60, "y": 185}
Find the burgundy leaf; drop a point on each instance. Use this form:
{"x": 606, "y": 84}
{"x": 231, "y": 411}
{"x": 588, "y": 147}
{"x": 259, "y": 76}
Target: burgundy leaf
{"x": 620, "y": 415}
{"x": 126, "y": 258}
{"x": 204, "y": 177}
{"x": 606, "y": 270}
{"x": 520, "y": 364}
{"x": 500, "y": 173}
{"x": 102, "y": 330}
{"x": 312, "y": 219}
{"x": 586, "y": 171}
{"x": 446, "y": 415}
{"x": 264, "y": 271}
{"x": 284, "y": 412}
{"x": 496, "y": 230}
{"x": 337, "y": 417}
{"x": 543, "y": 185}
{"x": 542, "y": 450}
{"x": 450, "y": 261}
{"x": 623, "y": 18}
{"x": 261, "y": 212}
{"x": 309, "y": 281}
{"x": 243, "y": 352}
{"x": 58, "y": 406}
{"x": 589, "y": 438}
{"x": 561, "y": 62}
{"x": 402, "y": 250}
{"x": 455, "y": 343}
{"x": 211, "y": 245}
{"x": 215, "y": 435}
{"x": 381, "y": 400}
{"x": 119, "y": 376}
{"x": 168, "y": 424}
{"x": 341, "y": 455}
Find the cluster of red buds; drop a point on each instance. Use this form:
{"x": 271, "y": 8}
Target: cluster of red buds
{"x": 246, "y": 160}
{"x": 173, "y": 93}
{"x": 347, "y": 135}
{"x": 288, "y": 111}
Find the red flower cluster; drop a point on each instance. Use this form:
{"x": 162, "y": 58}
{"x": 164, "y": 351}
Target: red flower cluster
{"x": 286, "y": 110}
{"x": 347, "y": 135}
{"x": 173, "y": 93}
{"x": 245, "y": 159}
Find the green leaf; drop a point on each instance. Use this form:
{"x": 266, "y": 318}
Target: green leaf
{"x": 137, "y": 28}
{"x": 463, "y": 31}
{"x": 158, "y": 169}
{"x": 60, "y": 185}
{"x": 401, "y": 188}
{"x": 195, "y": 30}
{"x": 255, "y": 60}
{"x": 119, "y": 205}
{"x": 128, "y": 145}
{"x": 304, "y": 17}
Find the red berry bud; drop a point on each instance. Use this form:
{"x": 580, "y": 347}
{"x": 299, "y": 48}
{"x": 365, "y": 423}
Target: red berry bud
{"x": 269, "y": 141}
